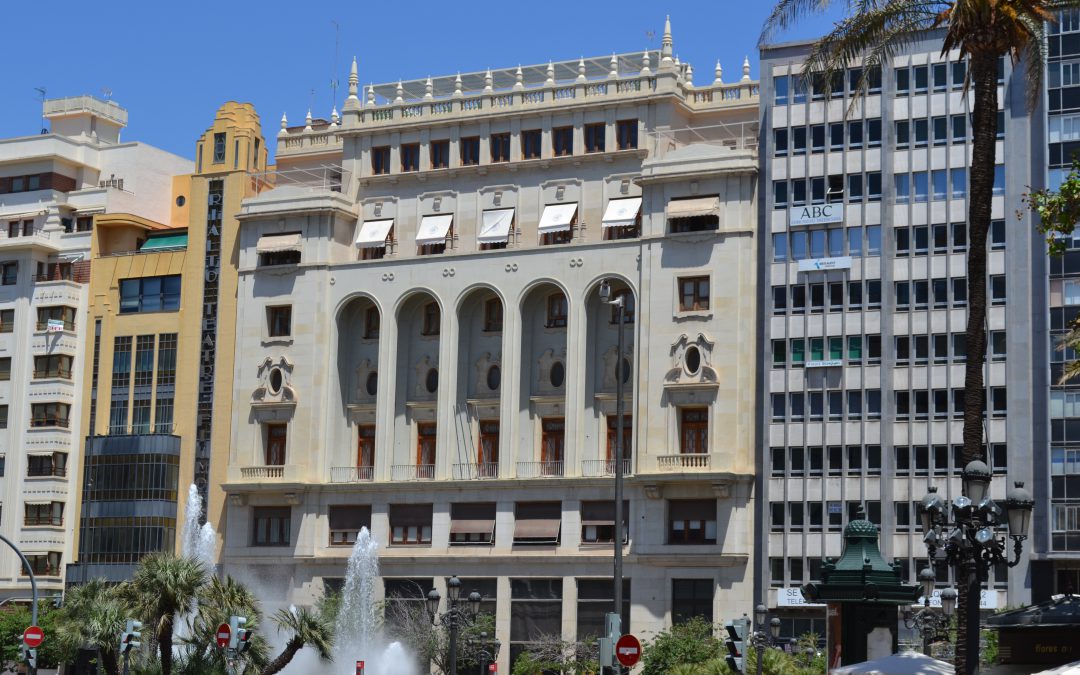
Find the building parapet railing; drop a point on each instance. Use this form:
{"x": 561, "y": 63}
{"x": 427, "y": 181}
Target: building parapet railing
{"x": 540, "y": 469}
{"x": 733, "y": 135}
{"x": 604, "y": 467}
{"x": 107, "y": 109}
{"x": 412, "y": 472}
{"x": 700, "y": 462}
{"x": 352, "y": 474}
{"x": 328, "y": 178}
{"x": 476, "y": 471}
{"x": 309, "y": 140}
{"x": 262, "y": 471}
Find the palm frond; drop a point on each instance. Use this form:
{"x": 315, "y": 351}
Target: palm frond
{"x": 787, "y": 13}
{"x": 1034, "y": 57}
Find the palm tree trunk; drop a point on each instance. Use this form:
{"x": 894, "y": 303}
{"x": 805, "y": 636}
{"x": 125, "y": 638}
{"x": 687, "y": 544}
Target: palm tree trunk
{"x": 109, "y": 662}
{"x": 291, "y": 648}
{"x": 984, "y": 128}
{"x": 165, "y": 640}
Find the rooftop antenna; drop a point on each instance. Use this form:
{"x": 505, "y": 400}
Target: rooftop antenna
{"x": 333, "y": 66}
{"x": 106, "y": 92}
{"x": 41, "y": 91}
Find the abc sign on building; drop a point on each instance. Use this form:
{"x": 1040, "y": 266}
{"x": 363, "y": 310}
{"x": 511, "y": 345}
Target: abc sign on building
{"x": 816, "y": 214}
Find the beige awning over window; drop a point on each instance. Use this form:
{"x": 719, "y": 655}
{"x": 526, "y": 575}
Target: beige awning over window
{"x": 496, "y": 226}
{"x": 557, "y": 217}
{"x": 537, "y": 528}
{"x": 373, "y": 233}
{"x": 691, "y": 208}
{"x": 472, "y": 526}
{"x": 433, "y": 229}
{"x": 622, "y": 212}
{"x": 272, "y": 243}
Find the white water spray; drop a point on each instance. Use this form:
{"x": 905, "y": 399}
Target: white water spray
{"x": 198, "y": 542}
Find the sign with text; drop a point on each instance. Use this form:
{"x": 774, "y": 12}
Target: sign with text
{"x": 825, "y": 264}
{"x": 827, "y": 363}
{"x": 987, "y": 599}
{"x": 792, "y": 596}
{"x": 55, "y": 326}
{"x": 815, "y": 214}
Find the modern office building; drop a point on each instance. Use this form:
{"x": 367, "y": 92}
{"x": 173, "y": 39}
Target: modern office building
{"x": 52, "y": 186}
{"x": 1056, "y": 562}
{"x": 158, "y": 371}
{"x": 863, "y": 294}
{"x": 423, "y": 351}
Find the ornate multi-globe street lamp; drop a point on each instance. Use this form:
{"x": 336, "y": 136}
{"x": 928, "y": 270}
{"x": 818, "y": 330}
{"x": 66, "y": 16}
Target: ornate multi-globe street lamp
{"x": 930, "y": 624}
{"x": 457, "y": 614}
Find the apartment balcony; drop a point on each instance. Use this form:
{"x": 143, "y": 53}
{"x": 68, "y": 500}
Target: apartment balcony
{"x": 412, "y": 472}
{"x": 680, "y": 463}
{"x": 352, "y": 474}
{"x": 604, "y": 467}
{"x": 285, "y": 473}
{"x": 540, "y": 469}
{"x": 481, "y": 471}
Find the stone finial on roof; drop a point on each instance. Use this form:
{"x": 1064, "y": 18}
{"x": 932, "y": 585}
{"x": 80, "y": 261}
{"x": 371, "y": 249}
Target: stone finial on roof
{"x": 719, "y": 73}
{"x": 746, "y": 69}
{"x": 689, "y": 75}
{"x": 334, "y": 117}
{"x": 488, "y": 81}
{"x": 284, "y": 125}
{"x": 519, "y": 79}
{"x": 354, "y": 81}
{"x": 429, "y": 89}
{"x": 399, "y": 94}
{"x": 581, "y": 69}
{"x": 645, "y": 63}
{"x": 457, "y": 86}
{"x": 613, "y": 66}
{"x": 371, "y": 94}
{"x": 550, "y": 74}
{"x": 667, "y": 45}
{"x": 307, "y": 120}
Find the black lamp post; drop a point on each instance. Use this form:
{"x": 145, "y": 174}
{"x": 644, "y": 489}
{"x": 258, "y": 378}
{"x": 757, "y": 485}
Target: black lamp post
{"x": 973, "y": 542}
{"x": 486, "y": 651}
{"x": 759, "y": 638}
{"x": 456, "y": 615}
{"x": 930, "y": 624}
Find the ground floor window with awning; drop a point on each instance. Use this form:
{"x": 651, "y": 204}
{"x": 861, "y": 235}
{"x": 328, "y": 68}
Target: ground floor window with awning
{"x": 622, "y": 218}
{"x": 537, "y": 523}
{"x": 472, "y": 524}
{"x": 694, "y": 214}
{"x": 495, "y": 229}
{"x": 433, "y": 234}
{"x": 557, "y": 223}
{"x": 373, "y": 238}
{"x": 279, "y": 249}
{"x": 598, "y": 522}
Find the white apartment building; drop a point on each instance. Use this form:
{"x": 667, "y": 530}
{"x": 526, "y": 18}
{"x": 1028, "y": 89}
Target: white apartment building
{"x": 422, "y": 349}
{"x": 863, "y": 289}
{"x": 51, "y": 186}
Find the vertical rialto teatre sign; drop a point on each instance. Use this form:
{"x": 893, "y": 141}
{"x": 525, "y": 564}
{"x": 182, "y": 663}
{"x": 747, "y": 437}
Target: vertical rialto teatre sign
{"x": 208, "y": 337}
{"x": 815, "y": 214}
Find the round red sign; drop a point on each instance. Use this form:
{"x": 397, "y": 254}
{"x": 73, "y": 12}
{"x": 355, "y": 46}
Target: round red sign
{"x": 628, "y": 650}
{"x": 33, "y": 636}
{"x": 224, "y": 632}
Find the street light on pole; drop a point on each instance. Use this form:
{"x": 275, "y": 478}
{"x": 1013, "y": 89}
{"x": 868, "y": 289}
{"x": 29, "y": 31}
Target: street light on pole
{"x": 456, "y": 614}
{"x": 930, "y": 624}
{"x": 759, "y": 638}
{"x": 617, "y": 303}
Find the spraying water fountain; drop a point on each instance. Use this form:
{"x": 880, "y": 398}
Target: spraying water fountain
{"x": 199, "y": 541}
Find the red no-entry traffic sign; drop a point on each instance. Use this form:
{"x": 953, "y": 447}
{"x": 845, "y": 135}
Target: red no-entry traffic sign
{"x": 224, "y": 632}
{"x": 33, "y": 636}
{"x": 628, "y": 650}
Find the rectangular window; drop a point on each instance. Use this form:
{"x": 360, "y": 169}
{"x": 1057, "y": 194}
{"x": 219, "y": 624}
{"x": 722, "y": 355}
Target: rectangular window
{"x": 693, "y": 294}
{"x": 271, "y": 526}
{"x": 219, "y": 148}
{"x": 276, "y": 435}
{"x": 626, "y": 134}
{"x": 940, "y": 130}
{"x": 780, "y": 142}
{"x": 562, "y": 141}
{"x": 921, "y": 185}
{"x": 798, "y": 140}
{"x": 939, "y": 181}
{"x": 920, "y": 74}
{"x": 854, "y": 134}
{"x": 594, "y": 137}
{"x": 692, "y": 521}
{"x": 959, "y": 128}
{"x": 121, "y": 372}
{"x": 692, "y": 598}
{"x": 817, "y": 138}
{"x": 921, "y": 132}
{"x": 873, "y": 186}
{"x": 426, "y": 441}
{"x": 997, "y": 289}
{"x": 140, "y": 415}
{"x": 693, "y": 431}
{"x": 410, "y": 524}
{"x": 48, "y": 514}
{"x": 55, "y": 365}
{"x": 903, "y": 81}
{"x": 836, "y": 136}
{"x": 58, "y": 313}
{"x": 346, "y": 522}
{"x": 50, "y": 415}
{"x": 780, "y": 89}
{"x": 380, "y": 160}
{"x": 9, "y": 274}
{"x": 440, "y": 154}
{"x": 531, "y": 140}
{"x": 537, "y": 523}
{"x": 598, "y": 522}
{"x": 472, "y": 524}
{"x": 999, "y": 179}
{"x": 997, "y": 234}
{"x": 279, "y": 321}
{"x": 470, "y": 150}
{"x": 150, "y": 294}
{"x": 163, "y": 414}
{"x": 144, "y": 360}
{"x": 855, "y": 188}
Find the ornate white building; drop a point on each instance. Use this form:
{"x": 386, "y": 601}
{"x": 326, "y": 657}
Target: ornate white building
{"x": 422, "y": 349}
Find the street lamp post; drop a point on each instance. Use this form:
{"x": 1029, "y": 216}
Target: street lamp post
{"x": 486, "y": 650}
{"x": 759, "y": 638}
{"x": 456, "y": 614}
{"x": 972, "y": 542}
{"x": 930, "y": 624}
{"x": 617, "y": 303}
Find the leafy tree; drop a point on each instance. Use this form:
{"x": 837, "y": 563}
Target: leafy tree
{"x": 691, "y": 642}
{"x": 217, "y": 601}
{"x": 14, "y": 619}
{"x": 164, "y": 586}
{"x": 93, "y": 617}
{"x": 549, "y": 653}
{"x": 983, "y": 31}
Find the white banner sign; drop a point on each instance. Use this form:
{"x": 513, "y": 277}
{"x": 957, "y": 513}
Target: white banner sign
{"x": 792, "y": 597}
{"x": 818, "y": 214}
{"x": 54, "y": 326}
{"x": 825, "y": 264}
{"x": 987, "y": 599}
{"x": 830, "y": 363}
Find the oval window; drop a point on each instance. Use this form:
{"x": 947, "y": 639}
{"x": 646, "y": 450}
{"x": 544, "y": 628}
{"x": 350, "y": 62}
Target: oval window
{"x": 275, "y": 380}
{"x": 558, "y": 374}
{"x": 372, "y": 383}
{"x": 626, "y": 370}
{"x": 181, "y": 200}
{"x": 692, "y": 360}
{"x": 431, "y": 381}
{"x": 494, "y": 378}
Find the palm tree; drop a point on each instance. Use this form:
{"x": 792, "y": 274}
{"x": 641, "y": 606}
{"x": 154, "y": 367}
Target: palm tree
{"x": 93, "y": 618}
{"x": 309, "y": 628}
{"x": 983, "y": 31}
{"x": 165, "y": 585}
{"x": 218, "y": 601}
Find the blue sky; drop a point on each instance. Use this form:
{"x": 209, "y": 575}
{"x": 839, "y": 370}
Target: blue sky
{"x": 172, "y": 68}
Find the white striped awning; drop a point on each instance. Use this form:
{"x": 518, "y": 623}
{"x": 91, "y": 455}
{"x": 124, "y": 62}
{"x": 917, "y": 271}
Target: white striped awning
{"x": 692, "y": 208}
{"x": 273, "y": 243}
{"x": 373, "y": 233}
{"x": 433, "y": 229}
{"x": 557, "y": 217}
{"x": 621, "y": 212}
{"x": 496, "y": 226}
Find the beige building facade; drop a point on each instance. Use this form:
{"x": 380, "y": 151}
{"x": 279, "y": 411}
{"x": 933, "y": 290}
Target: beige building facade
{"x": 422, "y": 349}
